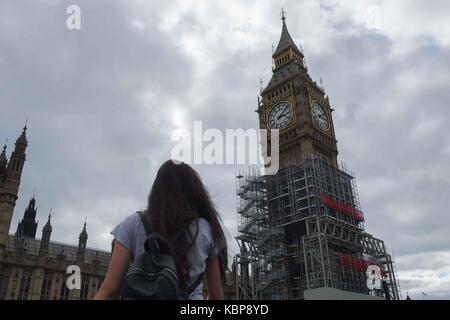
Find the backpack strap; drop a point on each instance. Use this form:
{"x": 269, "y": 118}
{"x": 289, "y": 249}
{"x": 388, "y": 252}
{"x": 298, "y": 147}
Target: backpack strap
{"x": 196, "y": 283}
{"x": 145, "y": 222}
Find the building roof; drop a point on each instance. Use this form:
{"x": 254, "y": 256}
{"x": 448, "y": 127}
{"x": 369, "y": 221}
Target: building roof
{"x": 292, "y": 67}
{"x": 31, "y": 247}
{"x": 283, "y": 73}
{"x": 285, "y": 40}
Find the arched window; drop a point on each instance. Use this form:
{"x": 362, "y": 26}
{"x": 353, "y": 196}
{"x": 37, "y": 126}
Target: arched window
{"x": 4, "y": 281}
{"x": 84, "y": 289}
{"x": 24, "y": 288}
{"x": 64, "y": 291}
{"x": 46, "y": 286}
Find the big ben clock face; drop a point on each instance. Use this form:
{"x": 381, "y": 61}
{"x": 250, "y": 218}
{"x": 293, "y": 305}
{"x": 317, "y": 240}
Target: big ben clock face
{"x": 320, "y": 116}
{"x": 280, "y": 116}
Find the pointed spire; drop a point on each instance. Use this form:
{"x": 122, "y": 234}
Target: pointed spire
{"x": 32, "y": 202}
{"x": 23, "y": 137}
{"x": 46, "y": 234}
{"x": 48, "y": 225}
{"x": 31, "y": 210}
{"x": 4, "y": 149}
{"x": 28, "y": 225}
{"x": 82, "y": 244}
{"x": 83, "y": 234}
{"x": 3, "y": 158}
{"x": 285, "y": 39}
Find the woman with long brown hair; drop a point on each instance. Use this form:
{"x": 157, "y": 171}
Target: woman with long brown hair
{"x": 180, "y": 209}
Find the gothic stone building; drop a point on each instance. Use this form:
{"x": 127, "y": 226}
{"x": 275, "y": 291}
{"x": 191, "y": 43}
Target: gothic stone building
{"x": 32, "y": 268}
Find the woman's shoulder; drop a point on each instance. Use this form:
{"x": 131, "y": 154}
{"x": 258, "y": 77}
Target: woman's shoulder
{"x": 127, "y": 232}
{"x": 204, "y": 227}
{"x": 202, "y": 222}
{"x": 133, "y": 218}
{"x": 130, "y": 222}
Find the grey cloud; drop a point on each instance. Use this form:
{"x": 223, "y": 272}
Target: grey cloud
{"x": 90, "y": 130}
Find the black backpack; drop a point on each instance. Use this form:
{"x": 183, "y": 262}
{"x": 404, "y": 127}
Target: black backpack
{"x": 153, "y": 274}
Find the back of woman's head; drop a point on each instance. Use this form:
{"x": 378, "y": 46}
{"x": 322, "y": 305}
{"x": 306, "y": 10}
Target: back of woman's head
{"x": 178, "y": 197}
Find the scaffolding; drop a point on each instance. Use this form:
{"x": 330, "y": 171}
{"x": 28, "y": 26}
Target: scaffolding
{"x": 303, "y": 229}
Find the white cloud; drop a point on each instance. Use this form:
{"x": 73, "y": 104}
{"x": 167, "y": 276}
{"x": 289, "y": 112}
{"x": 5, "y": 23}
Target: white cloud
{"x": 427, "y": 272}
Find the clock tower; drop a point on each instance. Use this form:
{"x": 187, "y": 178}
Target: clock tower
{"x": 301, "y": 230}
{"x": 296, "y": 105}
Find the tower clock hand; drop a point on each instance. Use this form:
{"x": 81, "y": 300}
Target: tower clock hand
{"x": 282, "y": 115}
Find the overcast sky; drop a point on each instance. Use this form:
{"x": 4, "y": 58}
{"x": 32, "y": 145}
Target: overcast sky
{"x": 103, "y": 101}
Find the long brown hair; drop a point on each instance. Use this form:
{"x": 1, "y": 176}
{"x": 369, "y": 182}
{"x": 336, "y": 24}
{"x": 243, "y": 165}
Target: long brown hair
{"x": 176, "y": 199}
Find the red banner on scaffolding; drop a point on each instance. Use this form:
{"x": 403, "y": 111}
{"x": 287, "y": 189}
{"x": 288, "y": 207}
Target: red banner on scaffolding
{"x": 343, "y": 208}
{"x": 348, "y": 261}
